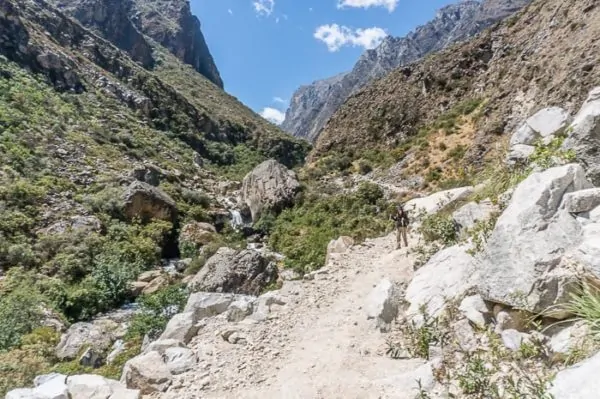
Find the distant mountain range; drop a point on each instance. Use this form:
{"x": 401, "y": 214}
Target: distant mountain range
{"x": 311, "y": 106}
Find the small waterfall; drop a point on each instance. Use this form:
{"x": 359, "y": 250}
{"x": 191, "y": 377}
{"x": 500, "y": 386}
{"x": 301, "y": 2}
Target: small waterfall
{"x": 236, "y": 219}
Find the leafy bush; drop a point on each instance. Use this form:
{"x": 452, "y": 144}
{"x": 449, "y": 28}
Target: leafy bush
{"x": 551, "y": 154}
{"x": 20, "y": 313}
{"x": 156, "y": 310}
{"x": 439, "y": 227}
{"x": 303, "y": 232}
{"x": 33, "y": 356}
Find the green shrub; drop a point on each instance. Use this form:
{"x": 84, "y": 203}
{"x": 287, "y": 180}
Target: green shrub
{"x": 20, "y": 313}
{"x": 156, "y": 310}
{"x": 34, "y": 356}
{"x": 551, "y": 154}
{"x": 439, "y": 227}
{"x": 303, "y": 232}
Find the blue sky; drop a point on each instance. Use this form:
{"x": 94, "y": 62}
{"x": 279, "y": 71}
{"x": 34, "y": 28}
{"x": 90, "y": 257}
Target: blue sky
{"x": 266, "y": 49}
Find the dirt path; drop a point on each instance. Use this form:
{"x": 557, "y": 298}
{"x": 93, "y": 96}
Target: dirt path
{"x": 319, "y": 345}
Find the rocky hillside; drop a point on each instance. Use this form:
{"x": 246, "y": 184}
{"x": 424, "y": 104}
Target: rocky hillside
{"x": 312, "y": 106}
{"x": 170, "y": 23}
{"x": 116, "y": 158}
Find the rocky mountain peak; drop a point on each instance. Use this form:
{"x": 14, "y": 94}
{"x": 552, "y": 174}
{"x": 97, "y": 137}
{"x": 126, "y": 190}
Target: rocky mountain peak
{"x": 172, "y": 24}
{"x": 311, "y": 109}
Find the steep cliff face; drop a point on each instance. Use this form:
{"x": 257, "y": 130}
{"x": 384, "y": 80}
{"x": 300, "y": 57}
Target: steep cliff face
{"x": 172, "y": 24}
{"x": 110, "y": 18}
{"x": 312, "y": 108}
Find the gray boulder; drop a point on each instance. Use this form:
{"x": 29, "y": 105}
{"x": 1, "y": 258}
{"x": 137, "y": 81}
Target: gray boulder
{"x": 579, "y": 381}
{"x": 266, "y": 303}
{"x": 383, "y": 304}
{"x": 241, "y": 308}
{"x": 513, "y": 339}
{"x": 582, "y": 201}
{"x": 146, "y": 202}
{"x": 162, "y": 345}
{"x": 89, "y": 386}
{"x": 519, "y": 266}
{"x": 475, "y": 310}
{"x": 179, "y": 360}
{"x": 53, "y": 387}
{"x": 206, "y": 304}
{"x": 96, "y": 336}
{"x": 519, "y": 154}
{"x": 449, "y": 274}
{"x": 182, "y": 327}
{"x": 544, "y": 123}
{"x": 269, "y": 187}
{"x": 584, "y": 136}
{"x": 564, "y": 340}
{"x": 339, "y": 246}
{"x": 148, "y": 373}
{"x": 468, "y": 215}
{"x": 241, "y": 272}
{"x": 587, "y": 254}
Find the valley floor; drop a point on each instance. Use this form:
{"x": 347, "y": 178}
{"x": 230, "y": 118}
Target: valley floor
{"x": 319, "y": 345}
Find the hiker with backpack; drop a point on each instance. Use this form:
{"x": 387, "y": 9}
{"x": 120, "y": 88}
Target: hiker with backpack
{"x": 400, "y": 217}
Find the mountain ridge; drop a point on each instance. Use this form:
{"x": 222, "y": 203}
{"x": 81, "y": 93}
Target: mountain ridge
{"x": 310, "y": 110}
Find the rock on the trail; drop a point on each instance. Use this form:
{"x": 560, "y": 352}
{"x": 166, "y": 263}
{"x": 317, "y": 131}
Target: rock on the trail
{"x": 146, "y": 202}
{"x": 179, "y": 360}
{"x": 339, "y": 246}
{"x": 182, "y": 327}
{"x": 148, "y": 373}
{"x": 579, "y": 381}
{"x": 512, "y": 339}
{"x": 584, "y": 136}
{"x": 564, "y": 340}
{"x": 383, "y": 304}
{"x": 97, "y": 336}
{"x": 265, "y": 303}
{"x": 89, "y": 386}
{"x": 53, "y": 387}
{"x": 207, "y": 304}
{"x": 449, "y": 274}
{"x": 437, "y": 201}
{"x": 241, "y": 272}
{"x": 475, "y": 310}
{"x": 519, "y": 266}
{"x": 269, "y": 187}
{"x": 241, "y": 308}
{"x": 582, "y": 201}
{"x": 468, "y": 215}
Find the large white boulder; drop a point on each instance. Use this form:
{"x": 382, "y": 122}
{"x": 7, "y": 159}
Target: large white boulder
{"x": 383, "y": 304}
{"x": 587, "y": 254}
{"x": 519, "y": 265}
{"x": 468, "y": 215}
{"x": 53, "y": 388}
{"x": 98, "y": 336}
{"x": 269, "y": 187}
{"x": 148, "y": 373}
{"x": 179, "y": 360}
{"x": 448, "y": 275}
{"x": 579, "y": 381}
{"x": 208, "y": 304}
{"x": 542, "y": 124}
{"x": 584, "y": 136}
{"x": 182, "y": 327}
{"x": 89, "y": 386}
{"x": 582, "y": 201}
{"x": 437, "y": 201}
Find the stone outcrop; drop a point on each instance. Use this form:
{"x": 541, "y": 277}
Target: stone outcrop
{"x": 269, "y": 187}
{"x": 383, "y": 304}
{"x": 110, "y": 18}
{"x": 521, "y": 266}
{"x": 148, "y": 373}
{"x": 146, "y": 202}
{"x": 172, "y": 24}
{"x": 578, "y": 382}
{"x": 448, "y": 275}
{"x": 584, "y": 136}
{"x": 240, "y": 272}
{"x": 58, "y": 386}
{"x": 312, "y": 106}
{"x": 98, "y": 336}
{"x": 468, "y": 215}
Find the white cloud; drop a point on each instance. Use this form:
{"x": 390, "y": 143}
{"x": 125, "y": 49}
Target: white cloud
{"x": 230, "y": 11}
{"x": 389, "y": 4}
{"x": 264, "y": 7}
{"x": 279, "y": 100}
{"x": 336, "y": 37}
{"x": 273, "y": 115}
